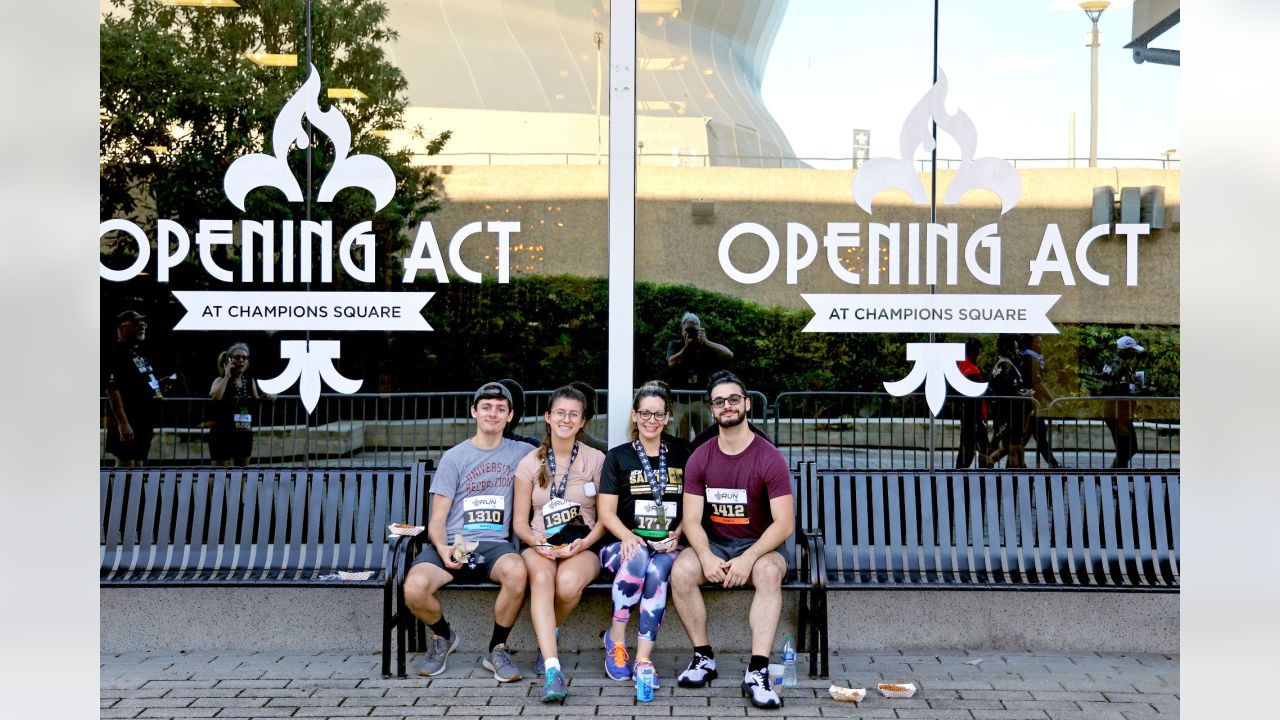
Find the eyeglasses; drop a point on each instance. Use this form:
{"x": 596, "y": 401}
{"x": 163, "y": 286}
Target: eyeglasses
{"x": 733, "y": 401}
{"x": 573, "y": 416}
{"x": 650, "y": 415}
{"x": 239, "y": 357}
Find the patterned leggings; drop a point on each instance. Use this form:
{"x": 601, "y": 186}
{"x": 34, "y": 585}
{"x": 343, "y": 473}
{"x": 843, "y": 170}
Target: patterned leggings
{"x": 641, "y": 579}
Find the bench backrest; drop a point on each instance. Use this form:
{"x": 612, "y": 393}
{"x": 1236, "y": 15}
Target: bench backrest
{"x": 254, "y": 525}
{"x": 996, "y": 528}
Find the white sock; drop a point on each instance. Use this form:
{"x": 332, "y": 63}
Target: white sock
{"x": 549, "y": 663}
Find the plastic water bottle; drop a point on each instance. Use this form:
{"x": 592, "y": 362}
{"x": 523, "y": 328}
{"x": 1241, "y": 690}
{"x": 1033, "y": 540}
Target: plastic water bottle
{"x": 644, "y": 682}
{"x": 788, "y": 663}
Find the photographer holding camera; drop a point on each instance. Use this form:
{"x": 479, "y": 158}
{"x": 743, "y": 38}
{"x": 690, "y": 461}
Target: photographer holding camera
{"x": 691, "y": 360}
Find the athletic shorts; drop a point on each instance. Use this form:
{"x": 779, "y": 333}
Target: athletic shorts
{"x": 491, "y": 551}
{"x": 730, "y": 549}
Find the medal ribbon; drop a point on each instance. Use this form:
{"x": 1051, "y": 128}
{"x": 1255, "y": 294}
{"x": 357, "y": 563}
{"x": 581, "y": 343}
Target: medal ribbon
{"x": 657, "y": 480}
{"x": 559, "y": 491}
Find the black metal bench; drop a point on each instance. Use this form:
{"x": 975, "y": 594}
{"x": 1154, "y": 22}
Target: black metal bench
{"x": 410, "y": 633}
{"x": 1023, "y": 530}
{"x": 262, "y": 527}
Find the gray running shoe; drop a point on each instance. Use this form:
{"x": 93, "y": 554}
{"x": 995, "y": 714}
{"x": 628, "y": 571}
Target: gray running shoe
{"x": 499, "y": 661}
{"x": 438, "y": 650}
{"x": 555, "y": 688}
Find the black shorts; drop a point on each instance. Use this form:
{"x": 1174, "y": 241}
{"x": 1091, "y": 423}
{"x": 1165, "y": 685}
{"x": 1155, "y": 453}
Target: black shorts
{"x": 491, "y": 551}
{"x": 136, "y": 449}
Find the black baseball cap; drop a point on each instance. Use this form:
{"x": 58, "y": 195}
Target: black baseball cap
{"x": 128, "y": 315}
{"x": 492, "y": 390}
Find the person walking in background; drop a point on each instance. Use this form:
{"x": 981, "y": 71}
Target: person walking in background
{"x": 235, "y": 396}
{"x": 1009, "y": 407}
{"x": 133, "y": 393}
{"x": 558, "y": 484}
{"x": 641, "y": 489}
{"x": 1120, "y": 379}
{"x": 974, "y": 441}
{"x": 691, "y": 360}
{"x": 1032, "y": 365}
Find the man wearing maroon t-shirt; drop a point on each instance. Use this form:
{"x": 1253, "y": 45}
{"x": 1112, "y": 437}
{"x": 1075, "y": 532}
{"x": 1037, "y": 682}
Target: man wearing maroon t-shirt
{"x": 737, "y": 510}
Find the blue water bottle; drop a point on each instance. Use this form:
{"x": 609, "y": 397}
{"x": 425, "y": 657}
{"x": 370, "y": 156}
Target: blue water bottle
{"x": 644, "y": 682}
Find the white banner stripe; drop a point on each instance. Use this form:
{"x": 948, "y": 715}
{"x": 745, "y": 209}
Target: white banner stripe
{"x": 836, "y": 313}
{"x": 287, "y": 310}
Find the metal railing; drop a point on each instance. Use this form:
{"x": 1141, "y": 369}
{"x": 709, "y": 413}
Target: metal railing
{"x": 838, "y": 430}
{"x": 765, "y": 161}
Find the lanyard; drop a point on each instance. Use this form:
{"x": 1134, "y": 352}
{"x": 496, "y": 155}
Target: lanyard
{"x": 558, "y": 492}
{"x": 657, "y": 479}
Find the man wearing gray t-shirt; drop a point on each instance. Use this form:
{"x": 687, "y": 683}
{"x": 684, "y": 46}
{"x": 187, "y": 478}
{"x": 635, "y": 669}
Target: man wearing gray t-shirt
{"x": 472, "y": 491}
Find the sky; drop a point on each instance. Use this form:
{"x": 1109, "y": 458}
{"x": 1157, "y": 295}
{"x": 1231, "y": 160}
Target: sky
{"x": 1018, "y": 68}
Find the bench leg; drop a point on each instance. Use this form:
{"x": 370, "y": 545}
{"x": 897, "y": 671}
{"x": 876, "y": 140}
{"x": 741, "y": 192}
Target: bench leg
{"x": 823, "y": 636}
{"x": 388, "y": 619}
{"x": 402, "y": 619}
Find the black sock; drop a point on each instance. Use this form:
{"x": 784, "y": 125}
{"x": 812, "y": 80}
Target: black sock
{"x": 758, "y": 662}
{"x": 441, "y": 628}
{"x": 499, "y": 636}
{"x": 705, "y": 651}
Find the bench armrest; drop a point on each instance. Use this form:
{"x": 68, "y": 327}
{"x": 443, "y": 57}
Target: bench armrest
{"x": 813, "y": 557}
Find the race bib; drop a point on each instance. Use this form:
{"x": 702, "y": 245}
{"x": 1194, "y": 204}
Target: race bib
{"x": 651, "y": 523}
{"x": 557, "y": 513}
{"x": 484, "y": 512}
{"x": 243, "y": 421}
{"x": 728, "y": 506}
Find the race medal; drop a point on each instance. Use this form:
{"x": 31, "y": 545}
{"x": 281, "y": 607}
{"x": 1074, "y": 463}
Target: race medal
{"x": 557, "y": 513}
{"x": 728, "y": 506}
{"x": 651, "y": 518}
{"x": 484, "y": 512}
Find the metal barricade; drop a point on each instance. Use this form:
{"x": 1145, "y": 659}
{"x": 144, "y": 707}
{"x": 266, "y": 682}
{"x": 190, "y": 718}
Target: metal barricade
{"x": 1086, "y": 429}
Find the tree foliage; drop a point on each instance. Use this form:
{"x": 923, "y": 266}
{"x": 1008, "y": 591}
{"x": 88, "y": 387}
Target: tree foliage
{"x": 178, "y": 77}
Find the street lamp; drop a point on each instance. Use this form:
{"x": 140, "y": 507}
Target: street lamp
{"x": 1094, "y": 8}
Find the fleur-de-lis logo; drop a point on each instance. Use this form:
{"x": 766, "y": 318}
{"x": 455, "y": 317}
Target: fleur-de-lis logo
{"x": 935, "y": 367}
{"x": 994, "y": 174}
{"x": 262, "y": 170}
{"x": 310, "y": 362}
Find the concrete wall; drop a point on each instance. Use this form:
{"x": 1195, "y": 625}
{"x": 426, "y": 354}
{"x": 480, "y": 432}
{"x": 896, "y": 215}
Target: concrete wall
{"x": 317, "y": 619}
{"x": 565, "y": 229}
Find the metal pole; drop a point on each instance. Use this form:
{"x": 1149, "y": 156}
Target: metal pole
{"x": 933, "y": 215}
{"x": 622, "y": 214}
{"x": 1093, "y": 96}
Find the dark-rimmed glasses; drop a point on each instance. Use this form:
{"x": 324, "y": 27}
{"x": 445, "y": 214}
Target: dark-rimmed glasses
{"x": 732, "y": 400}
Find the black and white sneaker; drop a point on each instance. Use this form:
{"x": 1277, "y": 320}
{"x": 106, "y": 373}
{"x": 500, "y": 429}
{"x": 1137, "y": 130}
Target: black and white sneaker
{"x": 758, "y": 684}
{"x": 701, "y": 671}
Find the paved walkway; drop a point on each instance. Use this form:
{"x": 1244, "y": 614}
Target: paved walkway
{"x": 953, "y": 684}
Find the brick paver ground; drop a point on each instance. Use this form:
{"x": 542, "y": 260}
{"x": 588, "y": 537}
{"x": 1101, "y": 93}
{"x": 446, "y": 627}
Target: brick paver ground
{"x": 976, "y": 685}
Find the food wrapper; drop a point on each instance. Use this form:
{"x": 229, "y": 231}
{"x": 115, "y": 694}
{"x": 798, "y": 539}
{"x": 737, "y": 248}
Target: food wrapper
{"x": 361, "y": 575}
{"x": 844, "y": 694}
{"x": 462, "y": 549}
{"x": 896, "y": 690}
{"x": 401, "y": 530}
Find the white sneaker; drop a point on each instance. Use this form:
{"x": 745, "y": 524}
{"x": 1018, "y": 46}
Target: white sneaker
{"x": 701, "y": 671}
{"x": 763, "y": 695}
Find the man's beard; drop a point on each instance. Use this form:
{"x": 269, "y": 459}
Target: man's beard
{"x": 732, "y": 423}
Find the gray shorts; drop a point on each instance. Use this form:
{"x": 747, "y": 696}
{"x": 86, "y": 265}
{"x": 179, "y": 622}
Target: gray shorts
{"x": 730, "y": 549}
{"x": 490, "y": 550}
